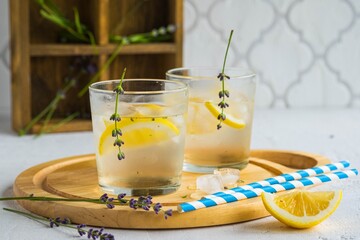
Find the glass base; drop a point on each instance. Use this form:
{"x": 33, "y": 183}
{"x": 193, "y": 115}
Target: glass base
{"x": 188, "y": 167}
{"x": 141, "y": 191}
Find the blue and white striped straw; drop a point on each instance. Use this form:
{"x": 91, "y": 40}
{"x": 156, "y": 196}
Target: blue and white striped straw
{"x": 286, "y": 177}
{"x": 245, "y": 194}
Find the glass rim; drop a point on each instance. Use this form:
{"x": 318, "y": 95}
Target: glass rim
{"x": 170, "y": 73}
{"x": 182, "y": 86}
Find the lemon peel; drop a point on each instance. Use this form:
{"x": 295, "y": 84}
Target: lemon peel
{"x": 138, "y": 131}
{"x": 230, "y": 120}
{"x": 300, "y": 208}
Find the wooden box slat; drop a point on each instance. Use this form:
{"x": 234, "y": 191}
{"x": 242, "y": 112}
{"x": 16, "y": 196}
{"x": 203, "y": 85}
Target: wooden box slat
{"x": 141, "y": 16}
{"x": 20, "y": 63}
{"x": 37, "y": 50}
{"x": 40, "y": 61}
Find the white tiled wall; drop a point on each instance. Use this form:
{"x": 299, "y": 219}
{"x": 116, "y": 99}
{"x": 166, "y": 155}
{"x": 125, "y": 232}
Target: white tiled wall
{"x": 306, "y": 52}
{"x": 4, "y": 58}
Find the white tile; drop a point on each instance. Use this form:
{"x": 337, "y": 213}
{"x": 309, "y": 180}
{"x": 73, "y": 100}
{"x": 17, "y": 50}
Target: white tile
{"x": 321, "y": 21}
{"x": 4, "y": 58}
{"x": 344, "y": 57}
{"x": 190, "y": 16}
{"x": 280, "y": 103}
{"x": 4, "y": 22}
{"x": 202, "y": 7}
{"x": 356, "y": 5}
{"x": 204, "y": 47}
{"x": 4, "y": 88}
{"x": 280, "y": 57}
{"x": 264, "y": 96}
{"x": 5, "y": 55}
{"x": 319, "y": 88}
{"x": 356, "y": 102}
{"x": 322, "y": 69}
{"x": 248, "y": 18}
{"x": 282, "y": 6}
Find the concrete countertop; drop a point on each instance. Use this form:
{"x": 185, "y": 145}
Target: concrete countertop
{"x": 332, "y": 133}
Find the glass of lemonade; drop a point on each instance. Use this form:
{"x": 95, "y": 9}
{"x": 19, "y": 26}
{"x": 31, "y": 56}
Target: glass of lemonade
{"x": 206, "y": 147}
{"x": 153, "y": 131}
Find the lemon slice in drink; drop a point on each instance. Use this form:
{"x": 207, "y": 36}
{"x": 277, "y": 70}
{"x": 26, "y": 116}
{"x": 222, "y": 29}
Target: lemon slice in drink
{"x": 300, "y": 208}
{"x": 230, "y": 120}
{"x": 138, "y": 131}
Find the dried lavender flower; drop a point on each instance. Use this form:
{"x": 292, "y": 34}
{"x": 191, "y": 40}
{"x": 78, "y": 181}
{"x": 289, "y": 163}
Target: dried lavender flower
{"x": 117, "y": 133}
{"x": 157, "y": 207}
{"x": 81, "y": 230}
{"x": 143, "y": 202}
{"x": 223, "y": 93}
{"x": 65, "y": 222}
{"x": 168, "y": 213}
{"x": 98, "y": 234}
{"x": 133, "y": 203}
{"x": 53, "y": 223}
{"x": 121, "y": 196}
{"x": 108, "y": 201}
{"x": 91, "y": 68}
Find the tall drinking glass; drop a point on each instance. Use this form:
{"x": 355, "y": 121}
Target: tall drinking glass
{"x": 153, "y": 131}
{"x": 208, "y": 148}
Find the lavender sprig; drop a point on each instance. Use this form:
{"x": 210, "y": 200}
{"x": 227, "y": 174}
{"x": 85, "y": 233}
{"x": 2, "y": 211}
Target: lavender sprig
{"x": 74, "y": 31}
{"x": 66, "y": 222}
{"x": 79, "y": 67}
{"x": 116, "y": 133}
{"x": 156, "y": 35}
{"x": 223, "y": 92}
{"x": 142, "y": 202}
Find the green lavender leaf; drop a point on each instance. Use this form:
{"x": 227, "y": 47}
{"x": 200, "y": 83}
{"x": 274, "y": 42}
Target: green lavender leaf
{"x": 78, "y": 25}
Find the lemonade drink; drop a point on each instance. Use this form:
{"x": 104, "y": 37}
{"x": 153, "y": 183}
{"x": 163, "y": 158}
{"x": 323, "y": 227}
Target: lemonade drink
{"x": 208, "y": 148}
{"x": 153, "y": 128}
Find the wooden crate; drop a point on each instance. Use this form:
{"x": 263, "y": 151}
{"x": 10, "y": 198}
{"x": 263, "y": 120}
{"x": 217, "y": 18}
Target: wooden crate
{"x": 39, "y": 62}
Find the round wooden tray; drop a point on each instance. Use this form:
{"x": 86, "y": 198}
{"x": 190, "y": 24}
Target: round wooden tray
{"x": 76, "y": 177}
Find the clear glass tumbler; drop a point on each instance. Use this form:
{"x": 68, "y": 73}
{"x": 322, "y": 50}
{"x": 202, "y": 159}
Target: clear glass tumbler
{"x": 206, "y": 147}
{"x": 153, "y": 131}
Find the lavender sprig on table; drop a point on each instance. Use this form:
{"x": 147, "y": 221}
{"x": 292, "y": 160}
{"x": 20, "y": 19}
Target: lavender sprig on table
{"x": 91, "y": 233}
{"x": 141, "y": 202}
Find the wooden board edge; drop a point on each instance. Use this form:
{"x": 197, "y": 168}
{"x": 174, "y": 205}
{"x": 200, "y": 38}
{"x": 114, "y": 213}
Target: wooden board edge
{"x": 140, "y": 220}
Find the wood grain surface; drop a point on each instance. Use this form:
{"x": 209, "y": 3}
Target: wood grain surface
{"x": 40, "y": 62}
{"x": 76, "y": 177}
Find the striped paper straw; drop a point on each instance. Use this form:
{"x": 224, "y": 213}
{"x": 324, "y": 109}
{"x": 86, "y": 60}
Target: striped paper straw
{"x": 286, "y": 177}
{"x": 227, "y": 198}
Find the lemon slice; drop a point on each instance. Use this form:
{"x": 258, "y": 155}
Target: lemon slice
{"x": 300, "y": 208}
{"x": 230, "y": 120}
{"x": 138, "y": 131}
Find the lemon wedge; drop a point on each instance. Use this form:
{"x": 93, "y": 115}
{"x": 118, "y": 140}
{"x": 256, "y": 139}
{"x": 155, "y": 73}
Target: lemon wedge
{"x": 138, "y": 131}
{"x": 300, "y": 208}
{"x": 230, "y": 120}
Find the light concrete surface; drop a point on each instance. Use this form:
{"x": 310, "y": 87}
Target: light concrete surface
{"x": 332, "y": 133}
